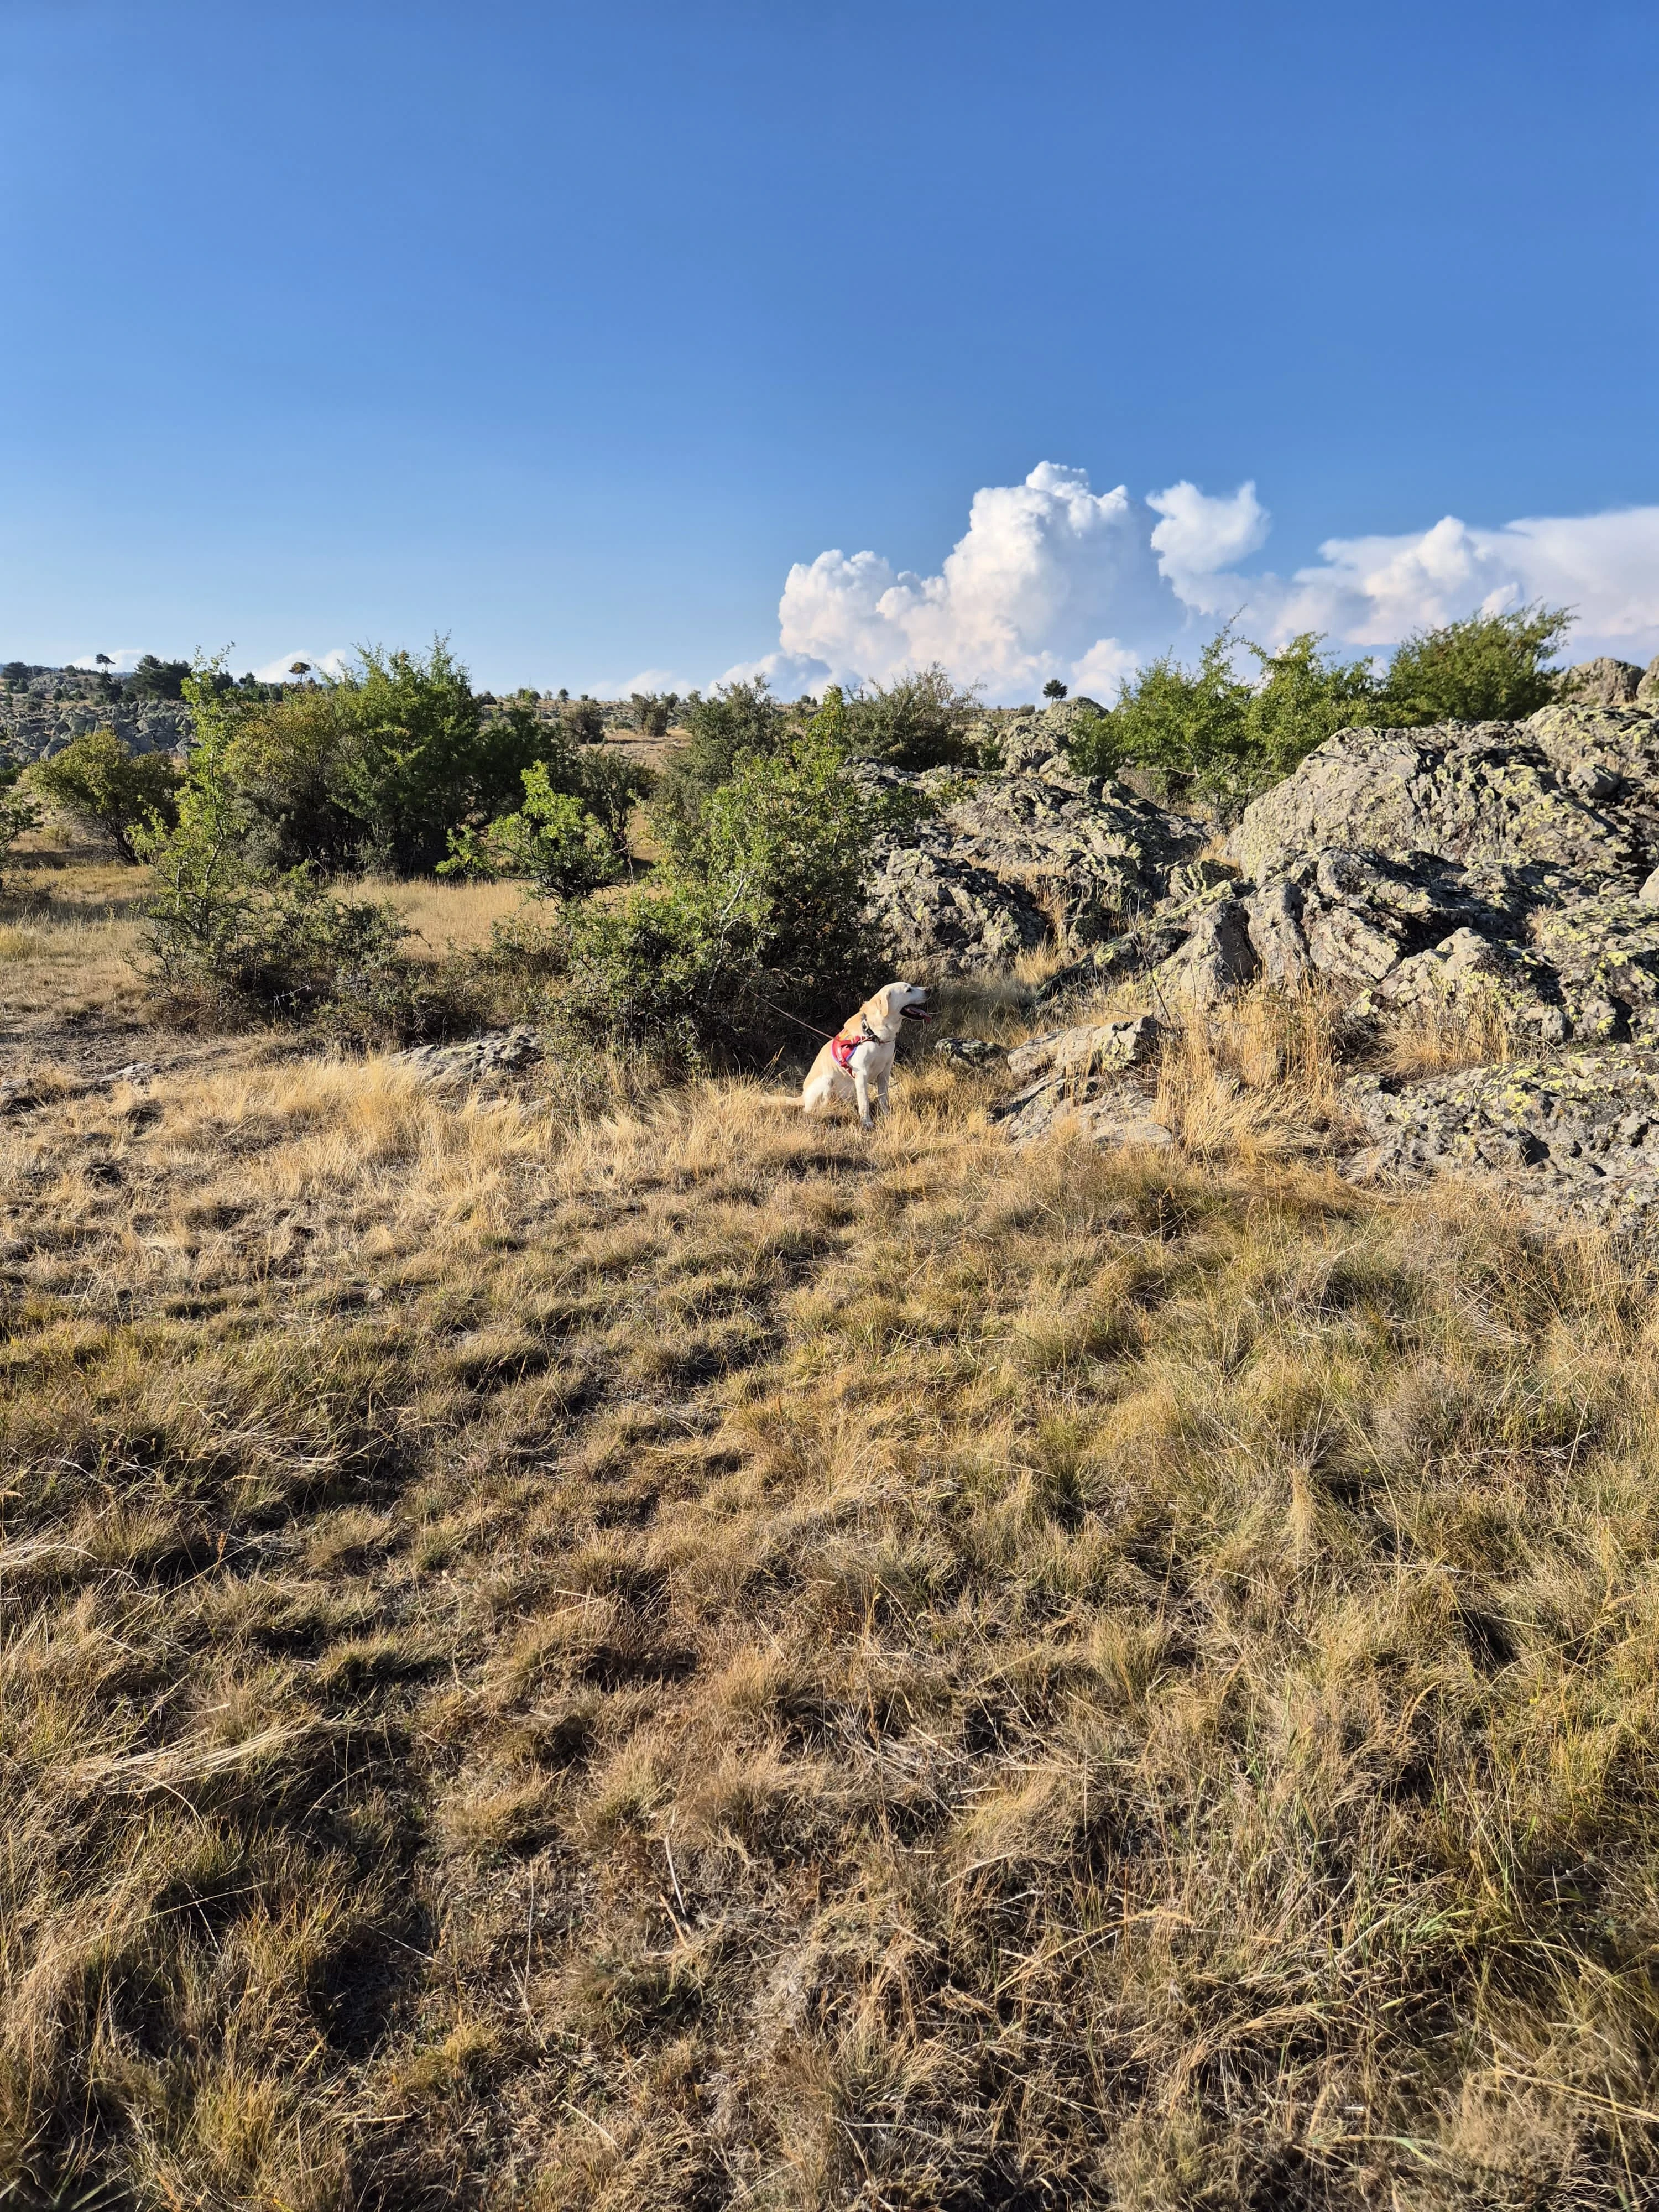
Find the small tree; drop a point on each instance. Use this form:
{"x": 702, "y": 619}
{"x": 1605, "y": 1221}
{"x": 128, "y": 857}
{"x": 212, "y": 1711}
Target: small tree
{"x": 610, "y": 786}
{"x": 1488, "y": 669}
{"x": 764, "y": 899}
{"x": 217, "y": 922}
{"x": 918, "y": 721}
{"x": 1054, "y": 689}
{"x": 735, "y": 719}
{"x": 101, "y": 784}
{"x": 162, "y": 679}
{"x": 552, "y": 842}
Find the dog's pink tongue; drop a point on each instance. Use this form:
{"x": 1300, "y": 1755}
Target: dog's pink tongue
{"x": 915, "y": 1014}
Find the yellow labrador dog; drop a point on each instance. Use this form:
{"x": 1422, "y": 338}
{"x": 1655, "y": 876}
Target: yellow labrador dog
{"x": 861, "y": 1059}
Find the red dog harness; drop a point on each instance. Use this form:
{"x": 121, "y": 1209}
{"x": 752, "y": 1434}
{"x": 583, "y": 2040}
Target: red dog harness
{"x": 843, "y": 1048}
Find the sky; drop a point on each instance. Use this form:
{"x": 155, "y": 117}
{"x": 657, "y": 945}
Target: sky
{"x": 632, "y": 346}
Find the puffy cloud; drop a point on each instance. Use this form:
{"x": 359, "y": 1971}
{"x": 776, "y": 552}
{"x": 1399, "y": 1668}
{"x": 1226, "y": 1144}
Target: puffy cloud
{"x": 1052, "y": 578}
{"x": 1026, "y": 593}
{"x": 1198, "y": 535}
{"x": 1372, "y": 591}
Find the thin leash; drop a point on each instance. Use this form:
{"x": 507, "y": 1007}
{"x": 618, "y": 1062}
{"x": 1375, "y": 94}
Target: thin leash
{"x": 829, "y": 1036}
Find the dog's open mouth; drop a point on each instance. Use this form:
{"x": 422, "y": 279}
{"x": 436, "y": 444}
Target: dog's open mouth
{"x": 916, "y": 1013}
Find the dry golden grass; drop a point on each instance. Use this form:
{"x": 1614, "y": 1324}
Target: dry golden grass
{"x": 693, "y": 1658}
{"x": 67, "y": 931}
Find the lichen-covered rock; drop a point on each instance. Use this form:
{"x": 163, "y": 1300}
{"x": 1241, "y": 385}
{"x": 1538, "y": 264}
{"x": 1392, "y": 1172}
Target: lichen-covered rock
{"x": 1216, "y": 957}
{"x": 1099, "y": 1077}
{"x": 1466, "y": 973}
{"x": 1121, "y": 1116}
{"x": 1084, "y": 854}
{"x": 1576, "y": 1135}
{"x": 941, "y": 915}
{"x": 479, "y": 1060}
{"x": 1604, "y": 950}
{"x": 1463, "y": 792}
{"x": 967, "y": 1051}
{"x": 1089, "y": 1049}
{"x": 1602, "y": 682}
{"x": 1009, "y": 859}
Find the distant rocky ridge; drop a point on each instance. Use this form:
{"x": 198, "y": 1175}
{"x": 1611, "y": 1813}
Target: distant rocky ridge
{"x": 40, "y": 714}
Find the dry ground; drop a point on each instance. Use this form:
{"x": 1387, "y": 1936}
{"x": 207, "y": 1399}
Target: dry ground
{"x": 686, "y": 1659}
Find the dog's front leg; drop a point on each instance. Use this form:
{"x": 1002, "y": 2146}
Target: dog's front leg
{"x": 882, "y": 1082}
{"x": 861, "y": 1092}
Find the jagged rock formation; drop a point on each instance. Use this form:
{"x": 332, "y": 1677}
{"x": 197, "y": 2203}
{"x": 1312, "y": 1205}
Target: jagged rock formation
{"x": 1606, "y": 683}
{"x": 1097, "y": 1078}
{"x": 1015, "y": 856}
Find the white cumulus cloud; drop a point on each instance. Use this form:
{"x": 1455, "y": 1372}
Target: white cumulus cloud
{"x": 1051, "y": 578}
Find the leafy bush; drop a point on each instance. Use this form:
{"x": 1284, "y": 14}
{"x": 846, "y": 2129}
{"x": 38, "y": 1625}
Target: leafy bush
{"x": 763, "y": 898}
{"x": 918, "y": 721}
{"x": 1488, "y": 669}
{"x": 1210, "y": 730}
{"x": 653, "y": 716}
{"x": 100, "y": 783}
{"x": 217, "y": 926}
{"x": 610, "y": 786}
{"x": 287, "y": 761}
{"x": 735, "y": 719}
{"x": 378, "y": 767}
{"x": 583, "y": 721}
{"x": 552, "y": 843}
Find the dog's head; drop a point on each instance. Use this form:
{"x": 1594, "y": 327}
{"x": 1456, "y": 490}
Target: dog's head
{"x": 894, "y": 1001}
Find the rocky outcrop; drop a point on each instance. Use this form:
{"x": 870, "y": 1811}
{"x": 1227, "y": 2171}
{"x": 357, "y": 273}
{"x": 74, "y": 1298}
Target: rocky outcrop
{"x": 478, "y": 1061}
{"x": 39, "y": 720}
{"x": 1601, "y": 683}
{"x": 1529, "y": 793}
{"x": 1576, "y": 1136}
{"x": 1016, "y": 855}
{"x": 1097, "y": 1080}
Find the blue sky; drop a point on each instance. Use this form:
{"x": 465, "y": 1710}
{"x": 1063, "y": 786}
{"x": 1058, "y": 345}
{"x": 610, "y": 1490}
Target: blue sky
{"x": 569, "y": 331}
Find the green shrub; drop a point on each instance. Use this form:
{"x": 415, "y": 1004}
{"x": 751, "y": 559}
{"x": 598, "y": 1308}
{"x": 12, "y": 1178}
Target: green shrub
{"x": 1488, "y": 669}
{"x": 100, "y": 783}
{"x": 552, "y": 843}
{"x": 735, "y": 719}
{"x": 217, "y": 926}
{"x": 287, "y": 761}
{"x": 652, "y": 715}
{"x": 918, "y": 721}
{"x": 1209, "y": 730}
{"x": 18, "y": 812}
{"x": 378, "y": 768}
{"x": 610, "y": 786}
{"x": 762, "y": 899}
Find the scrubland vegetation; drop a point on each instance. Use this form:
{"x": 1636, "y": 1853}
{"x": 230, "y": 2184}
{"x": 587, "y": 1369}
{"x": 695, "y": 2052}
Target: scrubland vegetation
{"x": 604, "y": 1645}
